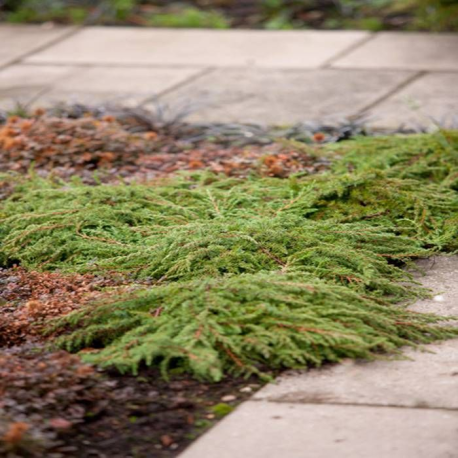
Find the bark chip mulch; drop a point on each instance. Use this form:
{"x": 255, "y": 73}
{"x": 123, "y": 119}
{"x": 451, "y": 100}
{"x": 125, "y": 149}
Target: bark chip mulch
{"x": 106, "y": 150}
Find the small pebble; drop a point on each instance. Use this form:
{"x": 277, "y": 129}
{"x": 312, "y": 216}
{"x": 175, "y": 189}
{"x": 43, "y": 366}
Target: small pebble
{"x": 439, "y": 298}
{"x": 246, "y": 389}
{"x": 229, "y": 398}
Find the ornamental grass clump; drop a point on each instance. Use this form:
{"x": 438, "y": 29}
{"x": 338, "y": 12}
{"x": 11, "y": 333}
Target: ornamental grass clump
{"x": 253, "y": 274}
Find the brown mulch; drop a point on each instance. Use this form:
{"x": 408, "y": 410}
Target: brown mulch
{"x": 29, "y": 299}
{"x": 68, "y": 147}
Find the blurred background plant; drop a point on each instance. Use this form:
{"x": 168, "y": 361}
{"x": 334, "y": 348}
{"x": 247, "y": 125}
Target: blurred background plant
{"x": 190, "y": 17}
{"x": 429, "y": 15}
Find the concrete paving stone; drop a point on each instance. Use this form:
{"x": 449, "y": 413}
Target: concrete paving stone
{"x": 17, "y": 41}
{"x": 407, "y": 51}
{"x": 279, "y": 96}
{"x": 427, "y": 379}
{"x": 440, "y": 274}
{"x": 115, "y": 84}
{"x": 275, "y": 430}
{"x": 431, "y": 98}
{"x": 219, "y": 48}
{"x": 21, "y": 83}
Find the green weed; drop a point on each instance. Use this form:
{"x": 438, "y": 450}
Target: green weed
{"x": 190, "y": 18}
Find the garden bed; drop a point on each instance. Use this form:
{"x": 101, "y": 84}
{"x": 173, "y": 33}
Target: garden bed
{"x": 182, "y": 271}
{"x": 54, "y": 405}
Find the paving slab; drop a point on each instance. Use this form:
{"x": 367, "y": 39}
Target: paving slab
{"x": 407, "y": 51}
{"x": 426, "y": 379}
{"x": 21, "y": 83}
{"x": 285, "y": 96}
{"x": 276, "y": 430}
{"x": 440, "y": 274}
{"x": 219, "y": 48}
{"x": 115, "y": 84}
{"x": 431, "y": 98}
{"x": 19, "y": 40}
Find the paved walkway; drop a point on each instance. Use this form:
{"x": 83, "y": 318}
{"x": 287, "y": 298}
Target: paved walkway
{"x": 386, "y": 409}
{"x": 267, "y": 77}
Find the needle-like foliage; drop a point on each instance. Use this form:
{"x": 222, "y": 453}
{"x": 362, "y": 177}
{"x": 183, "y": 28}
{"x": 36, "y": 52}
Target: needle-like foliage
{"x": 250, "y": 273}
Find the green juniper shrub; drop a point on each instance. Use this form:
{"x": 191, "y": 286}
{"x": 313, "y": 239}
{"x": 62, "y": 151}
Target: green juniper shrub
{"x": 239, "y": 324}
{"x": 249, "y": 274}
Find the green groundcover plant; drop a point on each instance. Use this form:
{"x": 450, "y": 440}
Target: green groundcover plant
{"x": 254, "y": 274}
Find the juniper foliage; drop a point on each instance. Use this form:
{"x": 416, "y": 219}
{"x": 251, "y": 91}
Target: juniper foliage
{"x": 250, "y": 273}
{"x": 242, "y": 324}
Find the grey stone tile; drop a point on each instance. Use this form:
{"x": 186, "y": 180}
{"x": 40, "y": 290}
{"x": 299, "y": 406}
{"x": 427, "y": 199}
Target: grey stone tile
{"x": 433, "y": 98}
{"x": 407, "y": 51}
{"x": 116, "y": 84}
{"x": 440, "y": 274}
{"x": 19, "y": 40}
{"x": 276, "y": 430}
{"x": 219, "y": 48}
{"x": 426, "y": 379}
{"x": 278, "y": 97}
{"x": 22, "y": 83}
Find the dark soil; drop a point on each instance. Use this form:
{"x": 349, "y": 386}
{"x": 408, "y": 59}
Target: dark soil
{"x": 53, "y": 405}
{"x": 150, "y": 417}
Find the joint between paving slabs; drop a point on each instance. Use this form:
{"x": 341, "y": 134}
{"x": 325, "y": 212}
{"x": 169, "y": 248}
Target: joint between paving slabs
{"x": 329, "y": 62}
{"x": 409, "y": 80}
{"x": 351, "y": 404}
{"x": 50, "y": 87}
{"x": 191, "y": 79}
{"x": 150, "y": 99}
{"x": 73, "y": 31}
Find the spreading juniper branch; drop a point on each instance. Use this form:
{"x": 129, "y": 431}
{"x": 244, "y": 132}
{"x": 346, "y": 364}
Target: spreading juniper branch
{"x": 240, "y": 323}
{"x": 247, "y": 273}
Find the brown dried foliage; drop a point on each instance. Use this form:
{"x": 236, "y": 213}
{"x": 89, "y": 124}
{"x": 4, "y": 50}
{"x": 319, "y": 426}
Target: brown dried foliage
{"x": 67, "y": 147}
{"x": 29, "y": 299}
